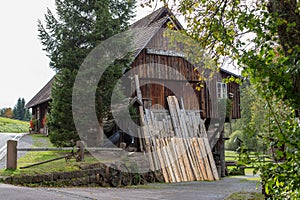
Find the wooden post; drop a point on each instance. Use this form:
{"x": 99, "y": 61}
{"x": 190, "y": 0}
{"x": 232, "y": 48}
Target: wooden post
{"x": 222, "y": 153}
{"x": 80, "y": 152}
{"x": 11, "y": 162}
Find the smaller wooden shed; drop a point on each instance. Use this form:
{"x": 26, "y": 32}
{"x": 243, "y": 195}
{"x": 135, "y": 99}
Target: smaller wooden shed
{"x": 40, "y": 106}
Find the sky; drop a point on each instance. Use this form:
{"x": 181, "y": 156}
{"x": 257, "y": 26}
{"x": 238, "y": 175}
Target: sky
{"x": 24, "y": 66}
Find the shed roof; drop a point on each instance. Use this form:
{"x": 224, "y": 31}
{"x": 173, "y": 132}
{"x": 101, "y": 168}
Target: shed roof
{"x": 152, "y": 22}
{"x": 148, "y": 27}
{"x": 42, "y": 96}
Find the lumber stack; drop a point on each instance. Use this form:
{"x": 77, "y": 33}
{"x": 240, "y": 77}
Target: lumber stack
{"x": 178, "y": 145}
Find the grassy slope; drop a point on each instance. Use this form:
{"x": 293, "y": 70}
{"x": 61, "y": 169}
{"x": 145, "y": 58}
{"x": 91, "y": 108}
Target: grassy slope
{"x": 13, "y": 126}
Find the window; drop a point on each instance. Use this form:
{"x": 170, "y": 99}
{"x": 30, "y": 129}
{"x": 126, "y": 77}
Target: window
{"x": 221, "y": 90}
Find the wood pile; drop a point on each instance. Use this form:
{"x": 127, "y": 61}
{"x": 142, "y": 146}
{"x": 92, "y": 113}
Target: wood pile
{"x": 177, "y": 144}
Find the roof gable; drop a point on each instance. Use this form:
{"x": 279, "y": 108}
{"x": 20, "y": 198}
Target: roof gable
{"x": 157, "y": 16}
{"x": 147, "y": 27}
{"x": 42, "y": 96}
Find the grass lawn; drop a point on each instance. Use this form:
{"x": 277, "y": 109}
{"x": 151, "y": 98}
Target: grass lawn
{"x": 13, "y": 126}
{"x": 233, "y": 156}
{"x": 245, "y": 196}
{"x": 39, "y": 156}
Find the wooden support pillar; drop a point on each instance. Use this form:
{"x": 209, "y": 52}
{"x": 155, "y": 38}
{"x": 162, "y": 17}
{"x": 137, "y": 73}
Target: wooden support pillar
{"x": 222, "y": 153}
{"x": 11, "y": 162}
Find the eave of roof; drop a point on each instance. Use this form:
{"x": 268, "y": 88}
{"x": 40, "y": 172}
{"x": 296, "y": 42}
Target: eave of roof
{"x": 42, "y": 96}
{"x": 230, "y": 73}
{"x": 147, "y": 28}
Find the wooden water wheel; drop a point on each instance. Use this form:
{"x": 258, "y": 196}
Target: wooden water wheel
{"x": 126, "y": 175}
{"x": 113, "y": 175}
{"x": 136, "y": 179}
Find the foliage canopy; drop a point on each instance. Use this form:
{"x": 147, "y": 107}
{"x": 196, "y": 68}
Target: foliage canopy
{"x": 262, "y": 38}
{"x": 68, "y": 36}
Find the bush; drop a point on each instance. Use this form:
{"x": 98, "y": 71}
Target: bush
{"x": 231, "y": 144}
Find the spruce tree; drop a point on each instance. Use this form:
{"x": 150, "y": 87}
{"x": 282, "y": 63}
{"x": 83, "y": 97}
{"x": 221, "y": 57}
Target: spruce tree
{"x": 27, "y": 115}
{"x": 80, "y": 26}
{"x": 19, "y": 110}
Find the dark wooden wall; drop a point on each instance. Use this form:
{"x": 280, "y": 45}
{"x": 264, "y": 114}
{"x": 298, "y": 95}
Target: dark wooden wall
{"x": 43, "y": 109}
{"x": 234, "y": 89}
{"x": 164, "y": 72}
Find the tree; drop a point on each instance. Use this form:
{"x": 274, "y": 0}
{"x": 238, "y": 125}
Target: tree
{"x": 262, "y": 37}
{"x": 27, "y": 115}
{"x": 8, "y": 113}
{"x": 2, "y": 112}
{"x": 19, "y": 109}
{"x": 20, "y": 112}
{"x": 68, "y": 38}
{"x": 253, "y": 123}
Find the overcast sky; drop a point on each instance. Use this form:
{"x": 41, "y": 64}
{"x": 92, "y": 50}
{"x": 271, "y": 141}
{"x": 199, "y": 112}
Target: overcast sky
{"x": 24, "y": 66}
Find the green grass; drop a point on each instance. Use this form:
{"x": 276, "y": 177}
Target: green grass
{"x": 39, "y": 156}
{"x": 234, "y": 156}
{"x": 230, "y": 153}
{"x": 245, "y": 196}
{"x": 13, "y": 126}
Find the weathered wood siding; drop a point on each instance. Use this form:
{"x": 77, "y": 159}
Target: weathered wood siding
{"x": 234, "y": 89}
{"x": 163, "y": 72}
{"x": 159, "y": 78}
{"x": 38, "y": 112}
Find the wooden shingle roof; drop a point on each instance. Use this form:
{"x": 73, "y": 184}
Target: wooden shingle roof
{"x": 152, "y": 23}
{"x": 147, "y": 28}
{"x": 42, "y": 96}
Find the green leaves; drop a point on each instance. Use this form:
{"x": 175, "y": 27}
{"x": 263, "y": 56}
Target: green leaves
{"x": 68, "y": 37}
{"x": 263, "y": 38}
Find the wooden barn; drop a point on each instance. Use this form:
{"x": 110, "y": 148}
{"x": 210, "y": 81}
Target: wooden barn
{"x": 157, "y": 84}
{"x": 39, "y": 105}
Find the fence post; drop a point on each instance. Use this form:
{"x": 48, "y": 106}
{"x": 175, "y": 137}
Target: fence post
{"x": 80, "y": 145}
{"x": 11, "y": 162}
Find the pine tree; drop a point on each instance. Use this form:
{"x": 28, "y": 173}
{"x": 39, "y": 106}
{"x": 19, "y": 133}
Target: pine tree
{"x": 80, "y": 26}
{"x": 2, "y": 111}
{"x": 15, "y": 112}
{"x": 19, "y": 110}
{"x": 27, "y": 115}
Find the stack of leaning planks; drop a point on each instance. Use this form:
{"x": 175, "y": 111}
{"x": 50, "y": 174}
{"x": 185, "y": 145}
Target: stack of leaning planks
{"x": 178, "y": 145}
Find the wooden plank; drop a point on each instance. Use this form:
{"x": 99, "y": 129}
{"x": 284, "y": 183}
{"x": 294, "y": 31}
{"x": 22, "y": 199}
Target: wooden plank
{"x": 145, "y": 129}
{"x": 182, "y": 120}
{"x": 195, "y": 160}
{"x": 191, "y": 168}
{"x": 162, "y": 162}
{"x": 179, "y": 160}
{"x": 171, "y": 154}
{"x": 167, "y": 162}
{"x": 183, "y": 157}
{"x": 175, "y": 122}
{"x": 211, "y": 159}
{"x": 199, "y": 159}
{"x": 208, "y": 170}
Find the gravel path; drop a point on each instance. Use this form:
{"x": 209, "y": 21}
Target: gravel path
{"x": 217, "y": 190}
{"x": 25, "y": 141}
